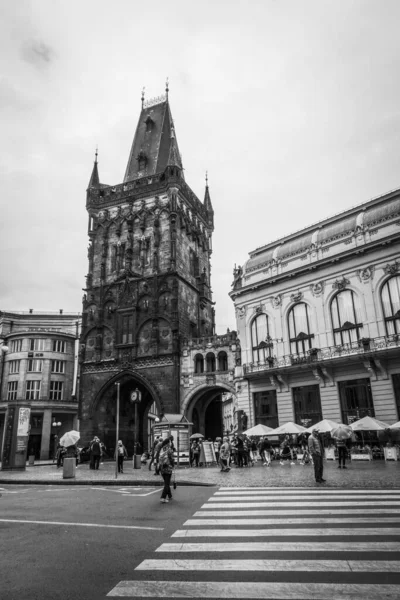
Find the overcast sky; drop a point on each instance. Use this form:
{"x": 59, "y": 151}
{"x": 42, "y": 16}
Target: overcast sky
{"x": 291, "y": 105}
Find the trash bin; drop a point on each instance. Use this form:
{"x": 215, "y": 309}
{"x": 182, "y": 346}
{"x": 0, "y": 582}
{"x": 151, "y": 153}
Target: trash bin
{"x": 137, "y": 462}
{"x": 69, "y": 468}
{"x": 31, "y": 460}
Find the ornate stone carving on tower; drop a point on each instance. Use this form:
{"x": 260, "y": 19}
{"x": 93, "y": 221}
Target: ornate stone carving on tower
{"x": 148, "y": 284}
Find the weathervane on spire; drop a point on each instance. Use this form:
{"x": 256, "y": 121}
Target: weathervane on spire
{"x": 167, "y": 87}
{"x": 206, "y": 178}
{"x": 96, "y": 154}
{"x": 143, "y": 96}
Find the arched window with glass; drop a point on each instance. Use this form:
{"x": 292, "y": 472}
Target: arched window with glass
{"x": 346, "y": 317}
{"x": 260, "y": 338}
{"x": 300, "y": 334}
{"x": 391, "y": 305}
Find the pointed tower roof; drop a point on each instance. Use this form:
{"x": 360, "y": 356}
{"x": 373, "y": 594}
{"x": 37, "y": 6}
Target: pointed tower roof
{"x": 154, "y": 145}
{"x": 207, "y": 198}
{"x": 94, "y": 179}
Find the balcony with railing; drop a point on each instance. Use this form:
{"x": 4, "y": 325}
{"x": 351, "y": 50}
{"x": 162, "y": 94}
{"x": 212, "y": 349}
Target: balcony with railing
{"x": 364, "y": 346}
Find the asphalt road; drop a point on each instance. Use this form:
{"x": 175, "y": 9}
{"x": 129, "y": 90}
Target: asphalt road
{"x": 266, "y": 543}
{"x": 43, "y": 560}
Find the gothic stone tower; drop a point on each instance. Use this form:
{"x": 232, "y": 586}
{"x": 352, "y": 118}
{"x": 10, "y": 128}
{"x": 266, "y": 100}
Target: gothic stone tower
{"x": 148, "y": 282}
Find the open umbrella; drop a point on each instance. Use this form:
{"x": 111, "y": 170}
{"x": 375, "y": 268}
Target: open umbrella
{"x": 196, "y": 436}
{"x": 70, "y": 438}
{"x": 323, "y": 426}
{"x": 289, "y": 428}
{"x": 341, "y": 432}
{"x": 258, "y": 430}
{"x": 395, "y": 425}
{"x": 369, "y": 424}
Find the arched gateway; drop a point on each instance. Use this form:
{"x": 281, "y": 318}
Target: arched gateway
{"x": 101, "y": 411}
{"x": 204, "y": 408}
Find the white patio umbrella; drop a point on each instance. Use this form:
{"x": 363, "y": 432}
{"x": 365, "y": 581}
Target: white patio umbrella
{"x": 395, "y": 425}
{"x": 70, "y": 438}
{"x": 289, "y": 428}
{"x": 258, "y": 430}
{"x": 369, "y": 424}
{"x": 323, "y": 426}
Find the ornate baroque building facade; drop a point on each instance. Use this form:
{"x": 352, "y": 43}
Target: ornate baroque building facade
{"x": 39, "y": 366}
{"x": 318, "y": 317}
{"x": 147, "y": 307}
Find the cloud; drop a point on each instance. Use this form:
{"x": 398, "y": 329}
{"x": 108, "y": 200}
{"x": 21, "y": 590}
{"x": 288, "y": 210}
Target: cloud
{"x": 37, "y": 53}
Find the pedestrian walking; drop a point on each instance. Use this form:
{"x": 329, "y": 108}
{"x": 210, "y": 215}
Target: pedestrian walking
{"x": 153, "y": 451}
{"x": 316, "y": 450}
{"x": 225, "y": 454}
{"x": 157, "y": 454}
{"x": 95, "y": 453}
{"x": 195, "y": 448}
{"x": 342, "y": 453}
{"x": 166, "y": 466}
{"x": 120, "y": 454}
{"x": 217, "y": 446}
{"x": 266, "y": 452}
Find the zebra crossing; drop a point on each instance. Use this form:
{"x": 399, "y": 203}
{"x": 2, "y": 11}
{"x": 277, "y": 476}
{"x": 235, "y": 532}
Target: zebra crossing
{"x": 279, "y": 544}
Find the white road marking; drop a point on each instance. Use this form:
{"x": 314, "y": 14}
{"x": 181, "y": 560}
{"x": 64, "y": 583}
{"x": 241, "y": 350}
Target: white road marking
{"x": 123, "y": 491}
{"x": 232, "y": 502}
{"x": 301, "y": 511}
{"x": 296, "y": 491}
{"x": 244, "y": 590}
{"x": 281, "y": 546}
{"x": 12, "y": 492}
{"x": 210, "y": 522}
{"x": 320, "y": 532}
{"x": 387, "y": 566}
{"x": 273, "y": 497}
{"x": 79, "y": 524}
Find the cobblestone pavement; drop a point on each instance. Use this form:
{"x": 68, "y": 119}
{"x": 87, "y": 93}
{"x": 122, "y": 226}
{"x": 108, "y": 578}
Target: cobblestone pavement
{"x": 374, "y": 475}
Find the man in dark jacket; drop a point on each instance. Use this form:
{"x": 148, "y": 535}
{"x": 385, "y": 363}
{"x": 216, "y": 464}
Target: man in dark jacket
{"x": 316, "y": 450}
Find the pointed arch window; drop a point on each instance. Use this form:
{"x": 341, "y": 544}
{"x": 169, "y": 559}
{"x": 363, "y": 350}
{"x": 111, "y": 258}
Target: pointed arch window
{"x": 300, "y": 334}
{"x": 260, "y": 338}
{"x": 391, "y": 305}
{"x": 346, "y": 317}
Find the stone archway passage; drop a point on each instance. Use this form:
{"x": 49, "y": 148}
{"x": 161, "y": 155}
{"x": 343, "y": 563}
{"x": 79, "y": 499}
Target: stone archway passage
{"x": 104, "y": 416}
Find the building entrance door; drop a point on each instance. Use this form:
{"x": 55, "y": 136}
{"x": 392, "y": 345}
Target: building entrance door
{"x": 307, "y": 405}
{"x": 356, "y": 400}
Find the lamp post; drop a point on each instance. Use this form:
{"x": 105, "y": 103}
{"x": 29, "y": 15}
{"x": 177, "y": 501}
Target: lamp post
{"x": 117, "y": 431}
{"x": 4, "y": 350}
{"x": 135, "y": 398}
{"x": 56, "y": 424}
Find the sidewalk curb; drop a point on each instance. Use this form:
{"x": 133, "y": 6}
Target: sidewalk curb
{"x": 96, "y": 482}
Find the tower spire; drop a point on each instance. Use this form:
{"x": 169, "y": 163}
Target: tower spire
{"x": 167, "y": 88}
{"x": 143, "y": 89}
{"x": 94, "y": 179}
{"x": 207, "y": 202}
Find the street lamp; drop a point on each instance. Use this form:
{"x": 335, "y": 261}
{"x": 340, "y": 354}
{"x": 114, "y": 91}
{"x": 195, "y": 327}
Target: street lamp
{"x": 135, "y": 398}
{"x": 4, "y": 350}
{"x": 56, "y": 424}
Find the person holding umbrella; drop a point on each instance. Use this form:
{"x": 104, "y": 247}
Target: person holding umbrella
{"x": 341, "y": 434}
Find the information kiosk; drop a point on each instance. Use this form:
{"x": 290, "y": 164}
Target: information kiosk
{"x": 179, "y": 427}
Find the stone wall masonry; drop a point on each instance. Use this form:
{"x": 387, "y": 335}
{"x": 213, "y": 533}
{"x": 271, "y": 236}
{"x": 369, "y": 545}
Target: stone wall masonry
{"x": 384, "y": 401}
{"x": 330, "y": 403}
{"x": 285, "y": 406}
